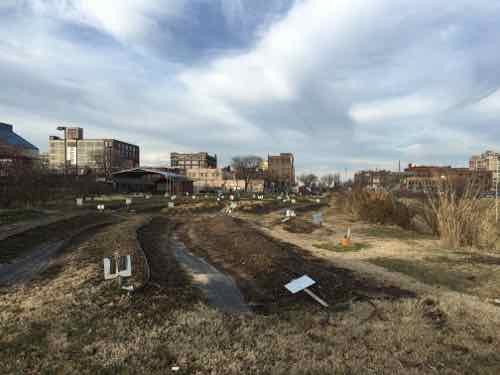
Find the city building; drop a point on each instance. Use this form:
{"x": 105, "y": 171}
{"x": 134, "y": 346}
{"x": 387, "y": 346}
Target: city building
{"x": 100, "y": 156}
{"x": 217, "y": 179}
{"x": 487, "y": 161}
{"x": 281, "y": 172}
{"x": 192, "y": 160}
{"x": 149, "y": 180}
{"x": 427, "y": 178}
{"x": 378, "y": 180}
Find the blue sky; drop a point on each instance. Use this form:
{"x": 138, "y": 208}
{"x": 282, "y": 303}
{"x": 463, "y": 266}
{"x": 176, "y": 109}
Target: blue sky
{"x": 341, "y": 83}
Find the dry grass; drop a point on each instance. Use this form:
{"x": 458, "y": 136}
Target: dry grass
{"x": 71, "y": 321}
{"x": 462, "y": 219}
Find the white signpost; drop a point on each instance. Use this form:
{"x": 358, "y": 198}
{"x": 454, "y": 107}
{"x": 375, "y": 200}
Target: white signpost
{"x": 117, "y": 272}
{"x": 317, "y": 218}
{"x": 301, "y": 284}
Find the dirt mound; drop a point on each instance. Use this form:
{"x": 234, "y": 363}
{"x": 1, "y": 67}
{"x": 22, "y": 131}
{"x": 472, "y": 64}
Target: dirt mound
{"x": 262, "y": 265}
{"x": 299, "y": 225}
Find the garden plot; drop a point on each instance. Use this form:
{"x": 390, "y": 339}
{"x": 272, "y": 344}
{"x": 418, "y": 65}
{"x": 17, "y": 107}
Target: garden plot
{"x": 261, "y": 265}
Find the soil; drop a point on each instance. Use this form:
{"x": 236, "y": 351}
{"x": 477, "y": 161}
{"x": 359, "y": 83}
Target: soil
{"x": 22, "y": 243}
{"x": 261, "y": 266}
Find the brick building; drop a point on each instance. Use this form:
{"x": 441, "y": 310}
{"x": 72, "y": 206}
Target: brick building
{"x": 192, "y": 160}
{"x": 487, "y": 161}
{"x": 281, "y": 172}
{"x": 426, "y": 178}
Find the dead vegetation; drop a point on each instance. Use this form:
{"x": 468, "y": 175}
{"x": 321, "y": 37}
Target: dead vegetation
{"x": 461, "y": 218}
{"x": 376, "y": 207}
{"x": 74, "y": 322}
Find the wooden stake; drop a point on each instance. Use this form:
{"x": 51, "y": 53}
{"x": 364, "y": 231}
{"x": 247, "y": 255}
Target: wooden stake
{"x": 314, "y": 296}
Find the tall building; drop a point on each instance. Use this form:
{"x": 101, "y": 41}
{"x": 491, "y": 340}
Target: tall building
{"x": 192, "y": 160}
{"x": 101, "y": 156}
{"x": 281, "y": 171}
{"x": 487, "y": 161}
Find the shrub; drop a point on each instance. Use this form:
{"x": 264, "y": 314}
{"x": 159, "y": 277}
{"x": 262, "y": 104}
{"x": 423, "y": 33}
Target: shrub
{"x": 461, "y": 217}
{"x": 377, "y": 207}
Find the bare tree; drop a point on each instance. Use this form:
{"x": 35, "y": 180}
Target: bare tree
{"x": 308, "y": 179}
{"x": 246, "y": 167}
{"x": 327, "y": 180}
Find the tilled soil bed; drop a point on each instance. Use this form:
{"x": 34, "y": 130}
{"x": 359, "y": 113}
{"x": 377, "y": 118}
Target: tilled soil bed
{"x": 20, "y": 244}
{"x": 261, "y": 266}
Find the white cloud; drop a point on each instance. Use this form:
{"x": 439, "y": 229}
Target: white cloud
{"x": 398, "y": 108}
{"x": 125, "y": 20}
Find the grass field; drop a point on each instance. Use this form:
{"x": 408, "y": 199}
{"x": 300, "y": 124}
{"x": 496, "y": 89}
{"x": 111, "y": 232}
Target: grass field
{"x": 69, "y": 320}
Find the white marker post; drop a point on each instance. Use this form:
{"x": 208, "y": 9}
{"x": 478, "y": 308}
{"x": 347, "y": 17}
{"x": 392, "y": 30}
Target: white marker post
{"x": 301, "y": 284}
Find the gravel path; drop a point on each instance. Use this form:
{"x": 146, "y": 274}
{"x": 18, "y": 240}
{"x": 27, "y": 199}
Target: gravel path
{"x": 220, "y": 289}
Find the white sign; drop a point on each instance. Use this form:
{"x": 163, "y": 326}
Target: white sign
{"x": 317, "y": 218}
{"x": 194, "y": 197}
{"x": 173, "y": 197}
{"x": 171, "y": 204}
{"x": 79, "y": 201}
{"x": 290, "y": 213}
{"x": 100, "y": 207}
{"x": 294, "y": 201}
{"x": 231, "y": 197}
{"x": 128, "y": 201}
{"x": 300, "y": 284}
{"x": 126, "y": 272}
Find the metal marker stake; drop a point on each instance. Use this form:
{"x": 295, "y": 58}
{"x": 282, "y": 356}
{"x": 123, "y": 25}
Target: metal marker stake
{"x": 315, "y": 297}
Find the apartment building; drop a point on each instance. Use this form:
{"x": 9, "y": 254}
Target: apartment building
{"x": 100, "y": 156}
{"x": 487, "y": 161}
{"x": 192, "y": 160}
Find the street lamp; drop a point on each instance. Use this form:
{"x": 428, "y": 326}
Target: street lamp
{"x": 64, "y": 129}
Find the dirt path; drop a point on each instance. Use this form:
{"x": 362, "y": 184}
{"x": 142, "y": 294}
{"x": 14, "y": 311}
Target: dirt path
{"x": 220, "y": 289}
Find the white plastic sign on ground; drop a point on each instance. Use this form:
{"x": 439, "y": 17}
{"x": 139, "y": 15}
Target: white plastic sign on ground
{"x": 317, "y": 218}
{"x": 301, "y": 284}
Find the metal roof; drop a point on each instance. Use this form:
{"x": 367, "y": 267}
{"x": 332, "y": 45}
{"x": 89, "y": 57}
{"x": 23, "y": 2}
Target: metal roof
{"x": 143, "y": 171}
{"x": 7, "y": 135}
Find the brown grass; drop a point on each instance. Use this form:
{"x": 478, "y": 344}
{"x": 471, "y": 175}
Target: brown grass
{"x": 75, "y": 323}
{"x": 462, "y": 218}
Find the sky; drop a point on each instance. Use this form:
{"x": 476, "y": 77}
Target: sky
{"x": 343, "y": 84}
